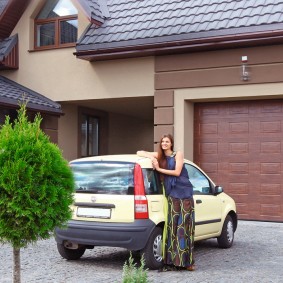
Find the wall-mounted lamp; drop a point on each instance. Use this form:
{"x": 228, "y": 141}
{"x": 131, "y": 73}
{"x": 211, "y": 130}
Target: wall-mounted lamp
{"x": 245, "y": 71}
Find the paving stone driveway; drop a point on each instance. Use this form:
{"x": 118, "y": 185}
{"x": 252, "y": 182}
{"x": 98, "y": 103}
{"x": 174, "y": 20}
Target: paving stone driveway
{"x": 256, "y": 256}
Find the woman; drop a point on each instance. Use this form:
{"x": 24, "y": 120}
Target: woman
{"x": 179, "y": 244}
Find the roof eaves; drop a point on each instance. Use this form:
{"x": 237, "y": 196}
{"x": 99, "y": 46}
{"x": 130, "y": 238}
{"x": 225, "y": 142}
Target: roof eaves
{"x": 35, "y": 100}
{"x": 271, "y": 29}
{"x": 209, "y": 40}
{"x": 31, "y": 106}
{"x": 11, "y": 13}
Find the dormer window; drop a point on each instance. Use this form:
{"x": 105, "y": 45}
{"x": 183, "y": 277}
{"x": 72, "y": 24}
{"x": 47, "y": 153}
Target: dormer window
{"x": 56, "y": 25}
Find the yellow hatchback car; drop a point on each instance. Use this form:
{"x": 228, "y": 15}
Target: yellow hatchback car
{"x": 119, "y": 202}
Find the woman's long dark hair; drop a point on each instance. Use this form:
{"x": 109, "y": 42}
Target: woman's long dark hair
{"x": 161, "y": 155}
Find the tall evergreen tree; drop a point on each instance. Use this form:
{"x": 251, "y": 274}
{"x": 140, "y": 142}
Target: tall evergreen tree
{"x": 36, "y": 185}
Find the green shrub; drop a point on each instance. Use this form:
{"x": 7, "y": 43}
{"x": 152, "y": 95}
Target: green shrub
{"x": 134, "y": 274}
{"x": 36, "y": 184}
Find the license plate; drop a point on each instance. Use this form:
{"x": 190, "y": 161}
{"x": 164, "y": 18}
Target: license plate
{"x": 93, "y": 212}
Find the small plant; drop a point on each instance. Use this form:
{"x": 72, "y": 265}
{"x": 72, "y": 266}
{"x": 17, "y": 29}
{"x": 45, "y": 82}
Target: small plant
{"x": 134, "y": 274}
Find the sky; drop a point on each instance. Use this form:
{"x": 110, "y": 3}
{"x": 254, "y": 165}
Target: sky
{"x": 64, "y": 8}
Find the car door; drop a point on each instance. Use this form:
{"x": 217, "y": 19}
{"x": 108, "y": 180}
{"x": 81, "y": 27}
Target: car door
{"x": 207, "y": 205}
{"x": 154, "y": 194}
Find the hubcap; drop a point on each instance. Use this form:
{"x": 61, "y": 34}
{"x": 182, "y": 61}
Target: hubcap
{"x": 157, "y": 248}
{"x": 230, "y": 231}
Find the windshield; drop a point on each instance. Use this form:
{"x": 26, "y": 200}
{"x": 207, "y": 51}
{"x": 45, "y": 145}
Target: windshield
{"x": 103, "y": 177}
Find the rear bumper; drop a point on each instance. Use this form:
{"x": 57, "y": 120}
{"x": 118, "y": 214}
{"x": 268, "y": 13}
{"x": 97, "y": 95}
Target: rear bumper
{"x": 132, "y": 236}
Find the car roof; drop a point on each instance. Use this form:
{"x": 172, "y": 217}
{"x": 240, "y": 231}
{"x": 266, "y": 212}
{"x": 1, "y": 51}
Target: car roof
{"x": 132, "y": 158}
{"x": 144, "y": 162}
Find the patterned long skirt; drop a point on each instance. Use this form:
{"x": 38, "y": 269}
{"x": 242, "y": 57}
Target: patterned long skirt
{"x": 179, "y": 246}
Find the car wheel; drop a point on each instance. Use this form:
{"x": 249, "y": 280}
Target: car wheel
{"x": 227, "y": 235}
{"x": 153, "y": 250}
{"x": 70, "y": 254}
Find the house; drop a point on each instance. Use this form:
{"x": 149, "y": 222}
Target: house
{"x": 125, "y": 72}
{"x": 12, "y": 93}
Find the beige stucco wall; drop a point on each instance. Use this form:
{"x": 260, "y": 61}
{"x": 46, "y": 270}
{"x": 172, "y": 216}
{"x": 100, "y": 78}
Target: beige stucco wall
{"x": 137, "y": 135}
{"x": 184, "y": 104}
{"x": 59, "y": 75}
{"x": 68, "y": 135}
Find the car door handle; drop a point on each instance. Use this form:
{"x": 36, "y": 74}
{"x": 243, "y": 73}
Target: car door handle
{"x": 198, "y": 201}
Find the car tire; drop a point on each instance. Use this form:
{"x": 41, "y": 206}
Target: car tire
{"x": 152, "y": 252}
{"x": 225, "y": 240}
{"x": 70, "y": 254}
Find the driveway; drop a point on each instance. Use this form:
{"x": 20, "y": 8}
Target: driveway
{"x": 256, "y": 256}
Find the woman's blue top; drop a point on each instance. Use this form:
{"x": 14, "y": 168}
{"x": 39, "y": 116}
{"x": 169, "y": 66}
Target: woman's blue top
{"x": 177, "y": 187}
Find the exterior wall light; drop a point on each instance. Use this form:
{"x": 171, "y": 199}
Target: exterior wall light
{"x": 245, "y": 69}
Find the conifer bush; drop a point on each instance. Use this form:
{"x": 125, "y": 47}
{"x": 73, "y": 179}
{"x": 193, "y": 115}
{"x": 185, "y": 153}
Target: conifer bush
{"x": 36, "y": 185}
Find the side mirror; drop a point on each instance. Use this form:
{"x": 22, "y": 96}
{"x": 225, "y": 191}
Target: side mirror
{"x": 218, "y": 190}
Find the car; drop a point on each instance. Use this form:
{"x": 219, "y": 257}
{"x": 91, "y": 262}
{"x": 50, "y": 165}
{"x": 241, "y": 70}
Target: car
{"x": 119, "y": 202}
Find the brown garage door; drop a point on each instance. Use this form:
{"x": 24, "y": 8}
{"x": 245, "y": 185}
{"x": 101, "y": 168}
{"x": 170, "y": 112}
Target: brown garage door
{"x": 240, "y": 146}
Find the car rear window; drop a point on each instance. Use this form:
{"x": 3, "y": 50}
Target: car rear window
{"x": 103, "y": 177}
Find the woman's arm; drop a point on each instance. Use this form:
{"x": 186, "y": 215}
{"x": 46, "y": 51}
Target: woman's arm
{"x": 178, "y": 168}
{"x": 151, "y": 155}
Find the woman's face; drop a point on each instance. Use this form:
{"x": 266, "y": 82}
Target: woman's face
{"x": 166, "y": 143}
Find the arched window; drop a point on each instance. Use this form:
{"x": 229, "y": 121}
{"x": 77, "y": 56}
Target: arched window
{"x": 56, "y": 25}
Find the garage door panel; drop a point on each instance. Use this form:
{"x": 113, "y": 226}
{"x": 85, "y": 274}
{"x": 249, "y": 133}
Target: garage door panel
{"x": 240, "y": 145}
{"x": 249, "y": 210}
{"x": 209, "y": 167}
{"x": 238, "y": 128}
{"x": 241, "y": 183}
{"x": 239, "y": 187}
{"x": 270, "y": 147}
{"x": 270, "y": 212}
{"x": 268, "y": 189}
{"x": 270, "y": 168}
{"x": 273, "y": 201}
{"x": 270, "y": 126}
{"x": 209, "y": 129}
{"x": 243, "y": 211}
{"x": 208, "y": 148}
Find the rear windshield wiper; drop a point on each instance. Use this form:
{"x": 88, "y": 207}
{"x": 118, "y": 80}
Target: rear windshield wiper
{"x": 86, "y": 190}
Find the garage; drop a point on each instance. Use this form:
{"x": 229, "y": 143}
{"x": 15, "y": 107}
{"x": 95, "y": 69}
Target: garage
{"x": 240, "y": 145}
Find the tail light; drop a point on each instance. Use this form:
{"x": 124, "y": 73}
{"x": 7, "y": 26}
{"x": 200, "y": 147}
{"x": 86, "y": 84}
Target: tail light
{"x": 141, "y": 205}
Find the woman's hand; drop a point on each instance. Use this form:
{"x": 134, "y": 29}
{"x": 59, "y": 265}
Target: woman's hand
{"x": 155, "y": 163}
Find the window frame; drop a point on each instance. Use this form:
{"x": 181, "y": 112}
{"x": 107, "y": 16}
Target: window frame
{"x": 155, "y": 181}
{"x": 88, "y": 117}
{"x": 116, "y": 177}
{"x": 56, "y": 21}
{"x": 196, "y": 191}
{"x": 103, "y": 129}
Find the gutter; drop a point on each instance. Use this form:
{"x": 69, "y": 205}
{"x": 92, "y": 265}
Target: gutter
{"x": 178, "y": 46}
{"x": 11, "y": 103}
